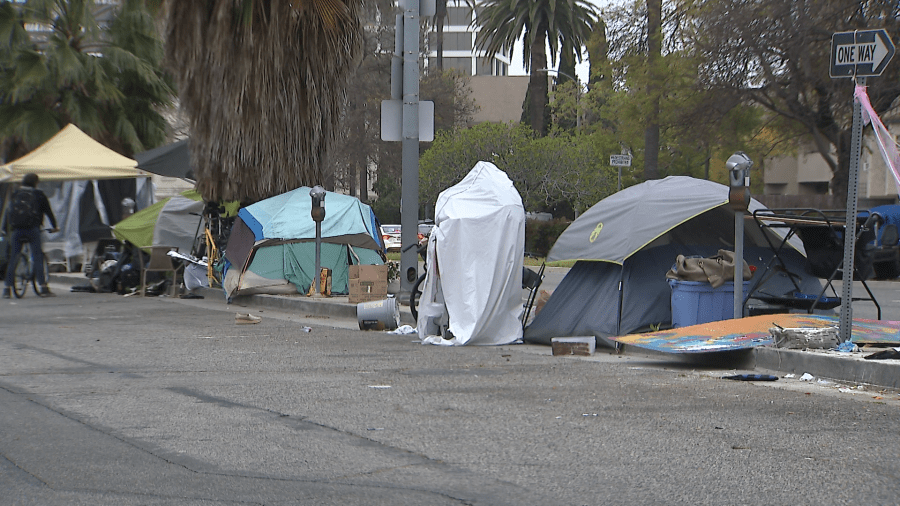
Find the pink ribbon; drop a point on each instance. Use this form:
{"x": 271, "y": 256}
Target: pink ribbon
{"x": 886, "y": 143}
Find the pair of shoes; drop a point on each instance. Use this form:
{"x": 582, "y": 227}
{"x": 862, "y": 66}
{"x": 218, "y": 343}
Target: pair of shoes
{"x": 6, "y": 292}
{"x": 246, "y": 319}
{"x": 45, "y": 292}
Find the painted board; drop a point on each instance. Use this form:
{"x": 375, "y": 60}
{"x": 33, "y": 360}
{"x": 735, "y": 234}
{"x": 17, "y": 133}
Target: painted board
{"x": 745, "y": 333}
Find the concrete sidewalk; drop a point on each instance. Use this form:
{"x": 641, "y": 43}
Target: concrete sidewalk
{"x": 849, "y": 368}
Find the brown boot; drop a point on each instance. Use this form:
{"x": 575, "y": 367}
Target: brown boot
{"x": 45, "y": 292}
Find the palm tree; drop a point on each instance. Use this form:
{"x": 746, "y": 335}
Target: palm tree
{"x": 440, "y": 16}
{"x": 262, "y": 83}
{"x": 540, "y": 22}
{"x": 106, "y": 79}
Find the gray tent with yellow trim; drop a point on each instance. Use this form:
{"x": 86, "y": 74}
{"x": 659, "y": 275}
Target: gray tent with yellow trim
{"x": 625, "y": 244}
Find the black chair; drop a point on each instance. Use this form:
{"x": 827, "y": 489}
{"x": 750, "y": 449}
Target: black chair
{"x": 822, "y": 233}
{"x": 531, "y": 281}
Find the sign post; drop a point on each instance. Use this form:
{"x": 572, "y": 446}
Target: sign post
{"x": 404, "y": 118}
{"x": 856, "y": 55}
{"x": 620, "y": 161}
{"x": 860, "y": 54}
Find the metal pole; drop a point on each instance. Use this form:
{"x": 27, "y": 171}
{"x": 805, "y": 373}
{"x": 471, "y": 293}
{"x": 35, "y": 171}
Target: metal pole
{"x": 316, "y": 280}
{"x": 409, "y": 194}
{"x": 850, "y": 225}
{"x": 738, "y": 264}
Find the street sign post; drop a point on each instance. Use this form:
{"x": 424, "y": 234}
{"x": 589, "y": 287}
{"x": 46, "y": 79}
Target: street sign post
{"x": 857, "y": 55}
{"x": 620, "y": 160}
{"x": 863, "y": 53}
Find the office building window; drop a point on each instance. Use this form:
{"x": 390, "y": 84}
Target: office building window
{"x": 459, "y": 16}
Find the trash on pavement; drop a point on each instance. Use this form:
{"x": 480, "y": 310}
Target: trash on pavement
{"x": 807, "y": 377}
{"x": 805, "y": 338}
{"x": 378, "y": 314}
{"x": 246, "y": 319}
{"x": 751, "y": 377}
{"x": 403, "y": 329}
{"x": 847, "y": 347}
{"x": 892, "y": 353}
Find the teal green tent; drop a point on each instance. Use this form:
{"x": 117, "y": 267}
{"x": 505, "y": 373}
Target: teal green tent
{"x": 271, "y": 248}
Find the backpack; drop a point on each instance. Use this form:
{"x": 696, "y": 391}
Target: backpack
{"x": 23, "y": 209}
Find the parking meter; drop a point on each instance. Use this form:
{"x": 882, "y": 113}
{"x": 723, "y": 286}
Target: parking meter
{"x": 128, "y": 206}
{"x": 317, "y": 211}
{"x": 318, "y": 203}
{"x": 738, "y": 166}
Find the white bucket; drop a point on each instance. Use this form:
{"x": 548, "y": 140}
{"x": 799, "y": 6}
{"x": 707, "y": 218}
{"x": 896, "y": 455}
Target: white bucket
{"x": 378, "y": 314}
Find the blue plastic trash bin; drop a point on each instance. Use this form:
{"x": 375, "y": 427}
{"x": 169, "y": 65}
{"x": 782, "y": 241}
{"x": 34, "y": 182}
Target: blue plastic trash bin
{"x": 695, "y": 302}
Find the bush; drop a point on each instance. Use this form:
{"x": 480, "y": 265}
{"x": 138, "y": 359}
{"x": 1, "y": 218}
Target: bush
{"x": 540, "y": 236}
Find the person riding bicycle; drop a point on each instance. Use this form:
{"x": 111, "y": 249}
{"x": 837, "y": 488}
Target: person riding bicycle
{"x": 25, "y": 215}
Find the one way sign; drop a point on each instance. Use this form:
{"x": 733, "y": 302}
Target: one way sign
{"x": 860, "y": 54}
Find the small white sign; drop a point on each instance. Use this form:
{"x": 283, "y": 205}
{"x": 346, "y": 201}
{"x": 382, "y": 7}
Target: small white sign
{"x": 620, "y": 160}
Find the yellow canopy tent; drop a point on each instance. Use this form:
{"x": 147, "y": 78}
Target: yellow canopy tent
{"x": 71, "y": 155}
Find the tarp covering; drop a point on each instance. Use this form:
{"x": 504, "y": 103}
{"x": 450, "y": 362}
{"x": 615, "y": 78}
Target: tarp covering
{"x": 475, "y": 257}
{"x": 628, "y": 241}
{"x": 71, "y": 155}
{"x": 171, "y": 160}
{"x": 271, "y": 248}
{"x": 173, "y": 221}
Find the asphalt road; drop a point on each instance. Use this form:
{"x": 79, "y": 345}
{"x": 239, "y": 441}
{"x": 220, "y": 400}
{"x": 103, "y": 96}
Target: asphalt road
{"x": 109, "y": 400}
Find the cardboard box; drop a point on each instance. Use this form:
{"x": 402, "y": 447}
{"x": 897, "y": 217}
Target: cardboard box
{"x": 367, "y": 283}
{"x": 573, "y": 345}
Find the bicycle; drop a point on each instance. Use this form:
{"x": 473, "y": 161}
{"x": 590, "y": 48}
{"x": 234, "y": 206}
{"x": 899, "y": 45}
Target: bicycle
{"x": 416, "y": 291}
{"x": 23, "y": 266}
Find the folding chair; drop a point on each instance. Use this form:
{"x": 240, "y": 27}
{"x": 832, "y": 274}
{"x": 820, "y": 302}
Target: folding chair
{"x": 822, "y": 233}
{"x": 531, "y": 281}
{"x": 160, "y": 261}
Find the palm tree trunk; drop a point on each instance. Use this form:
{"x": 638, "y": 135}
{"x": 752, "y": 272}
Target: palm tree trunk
{"x": 263, "y": 90}
{"x": 537, "y": 86}
{"x": 440, "y": 15}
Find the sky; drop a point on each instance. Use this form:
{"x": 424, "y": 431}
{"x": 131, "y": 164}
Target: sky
{"x": 581, "y": 69}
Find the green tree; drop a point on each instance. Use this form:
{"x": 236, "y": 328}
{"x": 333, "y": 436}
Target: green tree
{"x": 777, "y": 54}
{"x": 697, "y": 124}
{"x": 548, "y": 172}
{"x": 539, "y": 22}
{"x": 263, "y": 84}
{"x": 106, "y": 80}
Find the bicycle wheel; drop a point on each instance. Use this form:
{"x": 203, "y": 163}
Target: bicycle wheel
{"x": 414, "y": 295}
{"x": 22, "y": 273}
{"x": 34, "y": 280}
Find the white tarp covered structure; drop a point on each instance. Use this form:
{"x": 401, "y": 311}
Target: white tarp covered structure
{"x": 474, "y": 263}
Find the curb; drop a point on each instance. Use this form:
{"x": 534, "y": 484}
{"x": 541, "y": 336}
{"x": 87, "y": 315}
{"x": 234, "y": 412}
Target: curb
{"x": 335, "y": 307}
{"x": 847, "y": 367}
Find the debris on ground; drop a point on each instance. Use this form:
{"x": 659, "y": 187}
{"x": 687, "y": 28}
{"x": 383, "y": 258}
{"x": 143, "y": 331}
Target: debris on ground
{"x": 246, "y": 319}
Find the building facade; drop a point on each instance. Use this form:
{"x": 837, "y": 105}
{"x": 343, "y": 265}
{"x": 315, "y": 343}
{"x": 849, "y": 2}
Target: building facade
{"x": 459, "y": 45}
{"x": 806, "y": 173}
